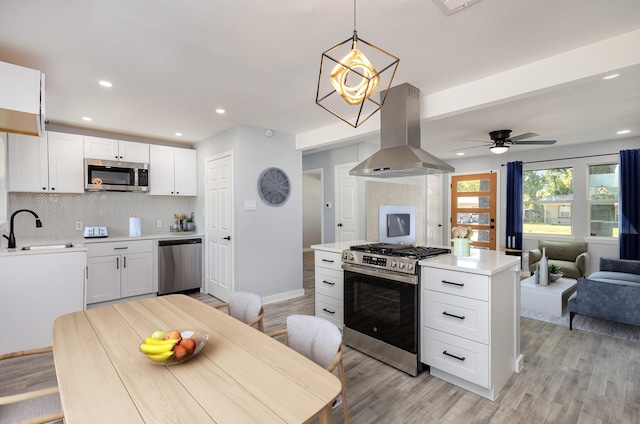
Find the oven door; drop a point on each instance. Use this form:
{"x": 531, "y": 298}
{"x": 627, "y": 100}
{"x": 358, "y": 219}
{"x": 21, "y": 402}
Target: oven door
{"x": 382, "y": 305}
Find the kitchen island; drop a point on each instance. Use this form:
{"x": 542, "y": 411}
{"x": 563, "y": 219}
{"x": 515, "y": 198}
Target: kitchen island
{"x": 470, "y": 323}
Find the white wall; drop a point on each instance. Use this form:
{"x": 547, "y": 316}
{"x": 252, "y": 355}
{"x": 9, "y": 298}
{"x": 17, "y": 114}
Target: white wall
{"x": 312, "y": 209}
{"x": 553, "y": 156}
{"x": 267, "y": 242}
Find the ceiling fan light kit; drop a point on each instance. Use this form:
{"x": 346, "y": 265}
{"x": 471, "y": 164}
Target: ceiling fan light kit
{"x": 348, "y": 78}
{"x": 498, "y": 150}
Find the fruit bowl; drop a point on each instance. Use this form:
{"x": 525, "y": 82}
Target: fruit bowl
{"x": 166, "y": 352}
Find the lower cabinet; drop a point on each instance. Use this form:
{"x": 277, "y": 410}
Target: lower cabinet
{"x": 118, "y": 270}
{"x": 329, "y": 286}
{"x": 468, "y": 328}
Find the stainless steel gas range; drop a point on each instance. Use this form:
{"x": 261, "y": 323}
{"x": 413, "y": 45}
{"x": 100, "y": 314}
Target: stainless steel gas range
{"x": 381, "y": 301}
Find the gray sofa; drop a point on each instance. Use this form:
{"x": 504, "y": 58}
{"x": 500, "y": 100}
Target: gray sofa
{"x": 571, "y": 256}
{"x": 613, "y": 293}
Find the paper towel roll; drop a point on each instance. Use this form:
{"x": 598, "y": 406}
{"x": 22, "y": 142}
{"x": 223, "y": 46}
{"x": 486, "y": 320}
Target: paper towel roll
{"x": 134, "y": 227}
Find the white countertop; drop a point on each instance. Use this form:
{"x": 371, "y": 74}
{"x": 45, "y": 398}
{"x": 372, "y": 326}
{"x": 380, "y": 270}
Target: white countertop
{"x": 481, "y": 261}
{"x": 81, "y": 244}
{"x": 338, "y": 247}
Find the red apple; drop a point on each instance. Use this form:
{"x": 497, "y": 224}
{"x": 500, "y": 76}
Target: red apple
{"x": 173, "y": 334}
{"x": 189, "y": 344}
{"x": 179, "y": 352}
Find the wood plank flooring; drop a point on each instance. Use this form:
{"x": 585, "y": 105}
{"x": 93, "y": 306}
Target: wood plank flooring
{"x": 568, "y": 377}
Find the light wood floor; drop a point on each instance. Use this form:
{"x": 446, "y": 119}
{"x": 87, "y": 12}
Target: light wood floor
{"x": 568, "y": 377}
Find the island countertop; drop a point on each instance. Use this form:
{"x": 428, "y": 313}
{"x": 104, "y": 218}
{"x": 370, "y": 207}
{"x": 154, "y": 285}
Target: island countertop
{"x": 481, "y": 261}
{"x": 339, "y": 246}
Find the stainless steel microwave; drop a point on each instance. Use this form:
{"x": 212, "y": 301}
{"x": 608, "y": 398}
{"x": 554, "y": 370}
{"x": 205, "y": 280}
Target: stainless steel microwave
{"x": 108, "y": 175}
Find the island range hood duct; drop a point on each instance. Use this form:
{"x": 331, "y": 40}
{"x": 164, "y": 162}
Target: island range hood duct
{"x": 400, "y": 154}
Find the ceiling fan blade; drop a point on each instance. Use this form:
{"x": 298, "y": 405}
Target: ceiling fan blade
{"x": 522, "y": 136}
{"x": 535, "y": 142}
{"x": 473, "y": 147}
{"x": 479, "y": 141}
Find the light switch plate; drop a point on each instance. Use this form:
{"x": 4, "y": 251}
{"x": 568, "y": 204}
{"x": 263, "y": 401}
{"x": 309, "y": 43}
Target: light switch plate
{"x": 250, "y": 205}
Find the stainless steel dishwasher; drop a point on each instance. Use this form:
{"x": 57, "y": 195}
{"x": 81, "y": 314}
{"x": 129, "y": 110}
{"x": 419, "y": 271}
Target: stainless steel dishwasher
{"x": 179, "y": 265}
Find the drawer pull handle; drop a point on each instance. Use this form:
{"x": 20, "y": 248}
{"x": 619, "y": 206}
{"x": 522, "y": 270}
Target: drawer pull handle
{"x": 328, "y": 260}
{"x": 452, "y": 315}
{"x": 452, "y": 283}
{"x": 459, "y": 358}
{"x": 326, "y": 310}
{"x": 120, "y": 248}
{"x": 328, "y": 282}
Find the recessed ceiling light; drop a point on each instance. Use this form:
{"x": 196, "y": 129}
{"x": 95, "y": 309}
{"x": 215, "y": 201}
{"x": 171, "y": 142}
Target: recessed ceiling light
{"x": 460, "y": 154}
{"x": 623, "y": 132}
{"x": 611, "y": 76}
{"x": 179, "y": 134}
{"x": 220, "y": 111}
{"x": 105, "y": 83}
{"x": 86, "y": 118}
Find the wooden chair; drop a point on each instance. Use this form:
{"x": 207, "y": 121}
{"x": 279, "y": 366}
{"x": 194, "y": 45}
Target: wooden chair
{"x": 246, "y": 307}
{"x": 9, "y": 399}
{"x": 320, "y": 341}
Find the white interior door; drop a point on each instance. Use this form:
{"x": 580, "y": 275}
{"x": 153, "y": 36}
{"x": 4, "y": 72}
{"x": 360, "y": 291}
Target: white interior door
{"x": 219, "y": 225}
{"x": 435, "y": 224}
{"x": 346, "y": 203}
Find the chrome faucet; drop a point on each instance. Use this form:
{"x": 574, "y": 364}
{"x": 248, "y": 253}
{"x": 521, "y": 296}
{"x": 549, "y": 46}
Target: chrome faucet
{"x": 12, "y": 236}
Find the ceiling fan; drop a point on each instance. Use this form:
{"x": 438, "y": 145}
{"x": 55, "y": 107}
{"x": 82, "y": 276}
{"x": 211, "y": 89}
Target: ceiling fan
{"x": 501, "y": 141}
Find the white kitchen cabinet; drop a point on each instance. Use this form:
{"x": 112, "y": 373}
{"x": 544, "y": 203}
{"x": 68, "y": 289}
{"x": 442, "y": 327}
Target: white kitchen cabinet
{"x": 329, "y": 285}
{"x": 468, "y": 334}
{"x": 116, "y": 150}
{"x": 172, "y": 171}
{"x": 117, "y": 270}
{"x": 35, "y": 289}
{"x": 22, "y": 102}
{"x": 49, "y": 164}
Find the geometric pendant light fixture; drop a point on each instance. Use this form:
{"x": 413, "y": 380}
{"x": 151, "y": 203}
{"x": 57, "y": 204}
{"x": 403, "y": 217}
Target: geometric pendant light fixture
{"x": 350, "y": 74}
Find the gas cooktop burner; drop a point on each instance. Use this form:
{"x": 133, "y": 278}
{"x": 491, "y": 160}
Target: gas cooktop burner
{"x": 403, "y": 250}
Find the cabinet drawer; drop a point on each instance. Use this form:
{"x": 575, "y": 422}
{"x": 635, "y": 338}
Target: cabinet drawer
{"x": 460, "y": 316}
{"x": 474, "y": 286}
{"x": 119, "y": 248}
{"x": 457, "y": 356}
{"x": 330, "y": 309}
{"x": 331, "y": 260}
{"x": 329, "y": 282}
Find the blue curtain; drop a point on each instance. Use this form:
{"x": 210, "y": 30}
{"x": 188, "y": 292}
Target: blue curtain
{"x": 629, "y": 213}
{"x": 514, "y": 206}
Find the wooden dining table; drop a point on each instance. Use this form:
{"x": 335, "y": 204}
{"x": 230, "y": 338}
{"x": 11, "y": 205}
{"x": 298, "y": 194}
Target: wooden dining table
{"x": 241, "y": 375}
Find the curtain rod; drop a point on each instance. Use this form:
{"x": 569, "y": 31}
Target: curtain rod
{"x": 575, "y": 157}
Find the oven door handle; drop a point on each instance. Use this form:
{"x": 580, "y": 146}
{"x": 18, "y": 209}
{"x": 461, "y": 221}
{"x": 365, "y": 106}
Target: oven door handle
{"x": 400, "y": 278}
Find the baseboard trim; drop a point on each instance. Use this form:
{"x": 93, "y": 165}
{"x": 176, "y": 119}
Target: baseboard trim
{"x": 282, "y": 296}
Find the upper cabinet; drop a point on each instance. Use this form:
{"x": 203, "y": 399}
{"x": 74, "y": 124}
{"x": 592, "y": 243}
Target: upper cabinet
{"x": 172, "y": 171}
{"x": 51, "y": 163}
{"x": 119, "y": 150}
{"x": 21, "y": 100}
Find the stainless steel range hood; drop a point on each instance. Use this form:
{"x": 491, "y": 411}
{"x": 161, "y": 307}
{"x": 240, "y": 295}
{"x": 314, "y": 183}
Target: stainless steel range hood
{"x": 400, "y": 154}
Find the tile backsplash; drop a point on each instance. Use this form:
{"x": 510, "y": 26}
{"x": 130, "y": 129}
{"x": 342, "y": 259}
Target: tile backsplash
{"x": 60, "y": 212}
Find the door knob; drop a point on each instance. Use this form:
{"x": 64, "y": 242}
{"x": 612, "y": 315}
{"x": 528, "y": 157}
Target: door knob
{"x": 226, "y": 238}
{"x": 340, "y": 224}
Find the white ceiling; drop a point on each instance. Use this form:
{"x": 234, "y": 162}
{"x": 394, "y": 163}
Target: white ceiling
{"x": 172, "y": 63}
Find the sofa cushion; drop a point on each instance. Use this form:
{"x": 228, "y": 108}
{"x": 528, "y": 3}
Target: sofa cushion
{"x": 568, "y": 269}
{"x": 615, "y": 276}
{"x": 563, "y": 250}
{"x": 620, "y": 265}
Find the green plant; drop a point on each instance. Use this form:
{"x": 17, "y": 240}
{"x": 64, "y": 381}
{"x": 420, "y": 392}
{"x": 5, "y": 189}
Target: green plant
{"x": 554, "y": 269}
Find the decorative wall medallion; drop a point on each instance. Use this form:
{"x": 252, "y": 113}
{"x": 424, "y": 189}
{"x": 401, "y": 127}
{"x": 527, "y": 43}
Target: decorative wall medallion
{"x": 273, "y": 186}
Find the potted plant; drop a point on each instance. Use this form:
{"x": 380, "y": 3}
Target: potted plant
{"x": 554, "y": 272}
{"x": 191, "y": 226}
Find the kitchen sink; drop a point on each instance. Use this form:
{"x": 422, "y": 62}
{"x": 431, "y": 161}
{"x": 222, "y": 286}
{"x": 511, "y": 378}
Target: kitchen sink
{"x": 49, "y": 246}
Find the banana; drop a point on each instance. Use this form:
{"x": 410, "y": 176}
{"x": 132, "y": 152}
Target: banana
{"x": 152, "y": 341}
{"x": 155, "y": 349}
{"x": 160, "y": 357}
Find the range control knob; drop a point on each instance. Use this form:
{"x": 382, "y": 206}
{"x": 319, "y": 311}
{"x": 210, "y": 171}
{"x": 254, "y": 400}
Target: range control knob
{"x": 401, "y": 265}
{"x": 351, "y": 257}
{"x": 393, "y": 263}
{"x": 409, "y": 266}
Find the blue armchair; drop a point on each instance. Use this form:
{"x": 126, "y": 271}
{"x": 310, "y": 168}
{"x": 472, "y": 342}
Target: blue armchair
{"x": 613, "y": 293}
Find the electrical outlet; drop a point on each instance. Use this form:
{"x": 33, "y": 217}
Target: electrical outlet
{"x": 78, "y": 225}
{"x": 159, "y": 223}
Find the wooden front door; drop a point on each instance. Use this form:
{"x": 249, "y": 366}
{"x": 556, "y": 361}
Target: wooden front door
{"x": 473, "y": 204}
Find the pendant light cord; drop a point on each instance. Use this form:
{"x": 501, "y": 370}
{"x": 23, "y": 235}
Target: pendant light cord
{"x": 354, "y": 15}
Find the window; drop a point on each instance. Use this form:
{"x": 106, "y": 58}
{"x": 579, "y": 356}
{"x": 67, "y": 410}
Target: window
{"x": 548, "y": 199}
{"x": 603, "y": 200}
